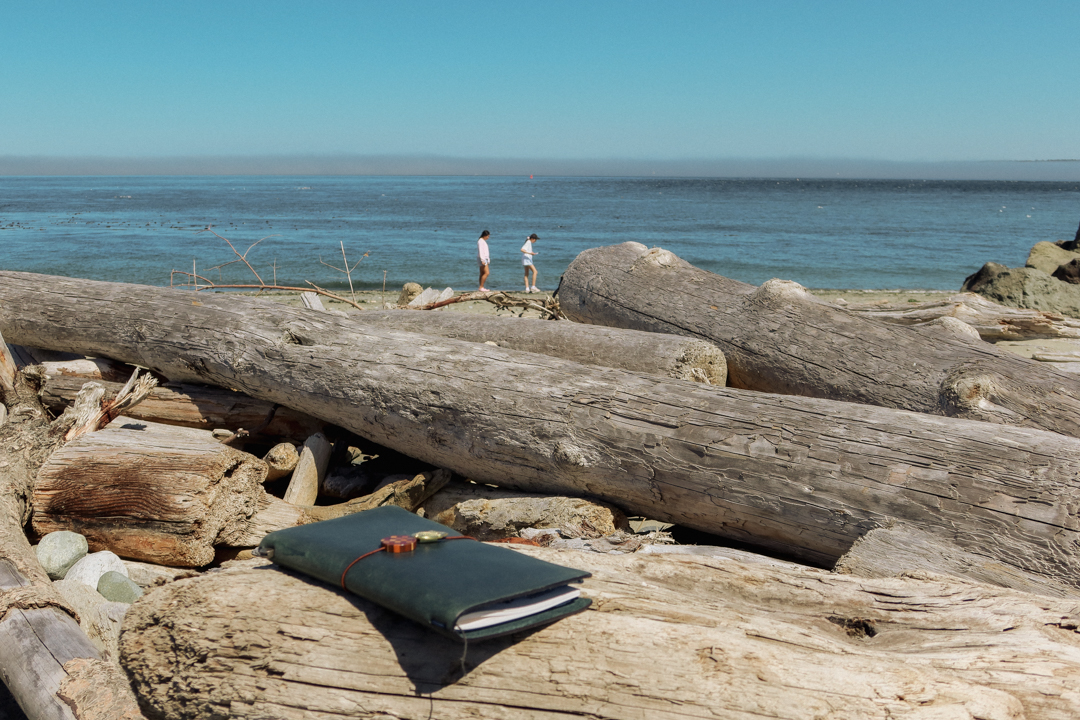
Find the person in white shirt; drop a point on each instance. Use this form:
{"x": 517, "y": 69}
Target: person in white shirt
{"x": 483, "y": 258}
{"x": 527, "y": 260}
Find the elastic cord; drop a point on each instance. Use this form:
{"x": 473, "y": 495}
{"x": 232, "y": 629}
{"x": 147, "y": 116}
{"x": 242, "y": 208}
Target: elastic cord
{"x": 381, "y": 549}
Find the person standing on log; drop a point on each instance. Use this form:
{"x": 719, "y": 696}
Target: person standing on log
{"x": 527, "y": 260}
{"x": 483, "y": 258}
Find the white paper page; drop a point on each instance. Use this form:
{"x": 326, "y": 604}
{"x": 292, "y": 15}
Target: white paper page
{"x": 508, "y": 610}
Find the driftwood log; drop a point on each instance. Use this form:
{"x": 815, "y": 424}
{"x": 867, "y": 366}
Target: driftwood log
{"x": 657, "y": 353}
{"x": 802, "y": 476}
{"x": 46, "y": 661}
{"x": 666, "y": 637}
{"x": 195, "y": 406}
{"x": 992, "y": 321}
{"x": 904, "y": 549}
{"x": 149, "y": 492}
{"x": 779, "y": 338}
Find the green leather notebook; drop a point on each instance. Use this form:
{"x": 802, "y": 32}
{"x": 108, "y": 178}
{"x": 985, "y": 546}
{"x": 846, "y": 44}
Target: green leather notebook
{"x": 457, "y": 586}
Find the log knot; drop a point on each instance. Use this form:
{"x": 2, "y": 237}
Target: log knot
{"x": 972, "y": 394}
{"x": 570, "y": 454}
{"x": 656, "y": 257}
{"x": 780, "y": 292}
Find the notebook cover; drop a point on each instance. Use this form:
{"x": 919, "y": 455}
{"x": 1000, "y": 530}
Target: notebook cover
{"x": 435, "y": 583}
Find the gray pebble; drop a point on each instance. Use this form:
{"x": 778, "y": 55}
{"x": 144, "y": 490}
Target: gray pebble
{"x": 59, "y": 551}
{"x": 118, "y": 588}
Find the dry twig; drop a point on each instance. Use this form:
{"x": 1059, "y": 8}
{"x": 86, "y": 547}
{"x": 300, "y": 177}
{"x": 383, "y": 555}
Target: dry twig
{"x": 194, "y": 279}
{"x": 504, "y": 301}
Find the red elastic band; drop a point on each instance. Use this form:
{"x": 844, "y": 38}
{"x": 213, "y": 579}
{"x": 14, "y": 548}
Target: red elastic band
{"x": 382, "y": 549}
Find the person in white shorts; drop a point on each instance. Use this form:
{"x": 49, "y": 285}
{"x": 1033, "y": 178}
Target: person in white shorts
{"x": 483, "y": 258}
{"x": 527, "y": 260}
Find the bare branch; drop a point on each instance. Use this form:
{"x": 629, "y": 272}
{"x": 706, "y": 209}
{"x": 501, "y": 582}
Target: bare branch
{"x": 549, "y": 310}
{"x": 92, "y": 412}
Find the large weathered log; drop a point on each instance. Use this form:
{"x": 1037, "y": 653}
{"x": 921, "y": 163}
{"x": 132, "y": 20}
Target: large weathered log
{"x": 149, "y": 492}
{"x": 46, "y": 661}
{"x": 779, "y": 338}
{"x": 666, "y": 637}
{"x": 799, "y": 475}
{"x": 658, "y": 353}
{"x": 992, "y": 321}
{"x": 196, "y": 406}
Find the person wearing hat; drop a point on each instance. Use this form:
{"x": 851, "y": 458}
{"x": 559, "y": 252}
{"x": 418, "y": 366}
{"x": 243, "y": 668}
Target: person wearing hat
{"x": 526, "y": 260}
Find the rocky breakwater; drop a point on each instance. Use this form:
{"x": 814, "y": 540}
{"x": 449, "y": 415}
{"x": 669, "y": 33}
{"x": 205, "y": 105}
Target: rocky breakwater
{"x": 1049, "y": 280}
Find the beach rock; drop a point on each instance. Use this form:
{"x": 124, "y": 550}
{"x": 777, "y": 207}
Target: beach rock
{"x": 1048, "y": 257}
{"x": 90, "y": 569}
{"x": 489, "y": 513}
{"x": 1024, "y": 287}
{"x": 148, "y": 575}
{"x": 99, "y": 618}
{"x": 409, "y": 291}
{"x": 59, "y": 551}
{"x": 1069, "y": 272}
{"x": 117, "y": 587}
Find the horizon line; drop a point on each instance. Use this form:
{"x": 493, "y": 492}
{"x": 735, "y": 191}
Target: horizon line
{"x": 396, "y": 165}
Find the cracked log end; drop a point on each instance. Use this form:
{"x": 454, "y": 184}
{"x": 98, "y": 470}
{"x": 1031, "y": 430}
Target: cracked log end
{"x": 702, "y": 362}
{"x": 161, "y": 494}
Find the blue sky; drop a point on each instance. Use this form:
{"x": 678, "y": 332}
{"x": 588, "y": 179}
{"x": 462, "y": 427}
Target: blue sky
{"x": 586, "y": 82}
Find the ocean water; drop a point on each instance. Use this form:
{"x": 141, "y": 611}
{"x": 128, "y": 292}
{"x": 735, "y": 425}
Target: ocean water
{"x": 859, "y": 234}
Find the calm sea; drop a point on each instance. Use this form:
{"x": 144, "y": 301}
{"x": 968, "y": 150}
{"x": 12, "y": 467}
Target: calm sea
{"x": 869, "y": 234}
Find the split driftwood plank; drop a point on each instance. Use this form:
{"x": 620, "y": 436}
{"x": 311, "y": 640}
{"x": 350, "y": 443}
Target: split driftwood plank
{"x": 779, "y": 338}
{"x": 657, "y": 353}
{"x": 148, "y": 492}
{"x": 196, "y": 406}
{"x": 89, "y": 369}
{"x": 666, "y": 637}
{"x": 46, "y": 661}
{"x": 802, "y": 476}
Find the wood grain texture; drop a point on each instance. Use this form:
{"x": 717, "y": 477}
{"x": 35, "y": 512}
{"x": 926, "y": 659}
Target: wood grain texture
{"x": 666, "y": 637}
{"x": 779, "y": 338}
{"x": 42, "y": 648}
{"x": 656, "y": 353}
{"x": 148, "y": 492}
{"x": 195, "y": 406}
{"x": 904, "y": 548}
{"x": 803, "y": 476}
{"x": 7, "y": 368}
{"x": 310, "y": 470}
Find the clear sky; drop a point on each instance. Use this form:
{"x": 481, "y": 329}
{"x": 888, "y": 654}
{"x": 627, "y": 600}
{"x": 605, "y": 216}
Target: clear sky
{"x": 588, "y": 82}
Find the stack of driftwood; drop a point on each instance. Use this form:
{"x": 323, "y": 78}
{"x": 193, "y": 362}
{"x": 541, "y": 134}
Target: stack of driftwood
{"x": 923, "y": 486}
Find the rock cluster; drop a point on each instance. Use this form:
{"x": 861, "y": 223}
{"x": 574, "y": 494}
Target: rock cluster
{"x": 1050, "y": 280}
